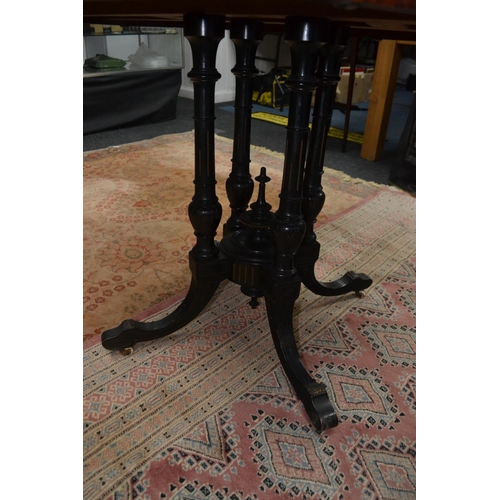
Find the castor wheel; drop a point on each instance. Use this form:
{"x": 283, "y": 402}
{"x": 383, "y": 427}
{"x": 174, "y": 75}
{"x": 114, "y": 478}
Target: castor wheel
{"x": 253, "y": 302}
{"x": 360, "y": 293}
{"x": 127, "y": 351}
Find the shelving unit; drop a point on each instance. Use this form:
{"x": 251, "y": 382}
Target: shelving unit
{"x": 125, "y": 41}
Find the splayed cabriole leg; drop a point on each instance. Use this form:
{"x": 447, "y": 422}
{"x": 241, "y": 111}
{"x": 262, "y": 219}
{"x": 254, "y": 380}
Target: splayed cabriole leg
{"x": 305, "y": 36}
{"x": 280, "y": 298}
{"x": 208, "y": 268}
{"x": 206, "y": 277}
{"x": 351, "y": 281}
{"x": 313, "y": 195}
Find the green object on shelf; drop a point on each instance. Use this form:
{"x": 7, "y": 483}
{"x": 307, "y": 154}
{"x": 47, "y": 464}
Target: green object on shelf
{"x": 100, "y": 61}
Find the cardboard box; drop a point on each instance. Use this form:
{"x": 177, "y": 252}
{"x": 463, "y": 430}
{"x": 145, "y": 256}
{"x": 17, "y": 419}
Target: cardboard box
{"x": 362, "y": 85}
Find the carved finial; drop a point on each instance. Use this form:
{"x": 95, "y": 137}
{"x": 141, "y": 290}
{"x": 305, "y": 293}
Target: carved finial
{"x": 261, "y": 207}
{"x": 259, "y": 216}
{"x": 262, "y": 178}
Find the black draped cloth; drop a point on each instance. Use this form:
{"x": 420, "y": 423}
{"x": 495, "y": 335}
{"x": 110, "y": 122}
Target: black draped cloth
{"x": 129, "y": 98}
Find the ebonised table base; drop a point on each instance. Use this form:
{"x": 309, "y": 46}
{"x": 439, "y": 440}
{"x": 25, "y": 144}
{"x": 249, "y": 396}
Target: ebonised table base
{"x": 269, "y": 254}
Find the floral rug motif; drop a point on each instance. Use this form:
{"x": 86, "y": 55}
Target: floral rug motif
{"x": 137, "y": 234}
{"x": 208, "y": 413}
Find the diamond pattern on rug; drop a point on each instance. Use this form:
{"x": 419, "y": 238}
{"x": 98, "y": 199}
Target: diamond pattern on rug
{"x": 378, "y": 303}
{"x": 409, "y": 299}
{"x": 206, "y": 440}
{"x": 408, "y": 389}
{"x": 406, "y": 272}
{"x": 294, "y": 457}
{"x": 392, "y": 342}
{"x": 393, "y": 475}
{"x": 276, "y": 383}
{"x": 382, "y": 468}
{"x": 330, "y": 338}
{"x": 357, "y": 394}
{"x": 398, "y": 345}
{"x": 220, "y": 420}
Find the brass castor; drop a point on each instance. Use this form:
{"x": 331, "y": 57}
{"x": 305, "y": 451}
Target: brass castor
{"x": 127, "y": 351}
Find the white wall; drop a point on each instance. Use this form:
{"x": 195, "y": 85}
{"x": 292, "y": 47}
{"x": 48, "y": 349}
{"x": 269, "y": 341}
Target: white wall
{"x": 226, "y": 59}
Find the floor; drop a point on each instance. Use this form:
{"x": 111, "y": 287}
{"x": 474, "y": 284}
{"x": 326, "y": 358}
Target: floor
{"x": 272, "y": 136}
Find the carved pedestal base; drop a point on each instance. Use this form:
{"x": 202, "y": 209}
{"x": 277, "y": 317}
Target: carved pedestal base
{"x": 269, "y": 254}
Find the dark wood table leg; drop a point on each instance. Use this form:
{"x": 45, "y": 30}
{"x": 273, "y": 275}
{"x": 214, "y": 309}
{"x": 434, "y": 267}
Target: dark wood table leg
{"x": 328, "y": 77}
{"x": 314, "y": 196}
{"x": 305, "y": 36}
{"x": 204, "y": 34}
{"x": 246, "y": 36}
{"x": 208, "y": 267}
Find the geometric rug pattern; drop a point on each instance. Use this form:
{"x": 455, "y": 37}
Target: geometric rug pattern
{"x": 208, "y": 413}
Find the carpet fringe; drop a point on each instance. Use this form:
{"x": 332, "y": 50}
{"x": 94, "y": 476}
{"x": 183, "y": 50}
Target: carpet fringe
{"x": 341, "y": 175}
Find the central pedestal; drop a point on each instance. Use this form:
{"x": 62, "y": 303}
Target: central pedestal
{"x": 269, "y": 254}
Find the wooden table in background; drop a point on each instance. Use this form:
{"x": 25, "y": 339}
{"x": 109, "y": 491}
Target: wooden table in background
{"x": 379, "y": 110}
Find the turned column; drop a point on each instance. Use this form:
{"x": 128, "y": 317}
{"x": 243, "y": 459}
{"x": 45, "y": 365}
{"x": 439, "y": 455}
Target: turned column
{"x": 204, "y": 34}
{"x": 328, "y": 77}
{"x": 246, "y": 36}
{"x": 305, "y": 36}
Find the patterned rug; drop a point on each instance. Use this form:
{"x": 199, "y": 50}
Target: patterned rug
{"x": 208, "y": 413}
{"x": 137, "y": 233}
